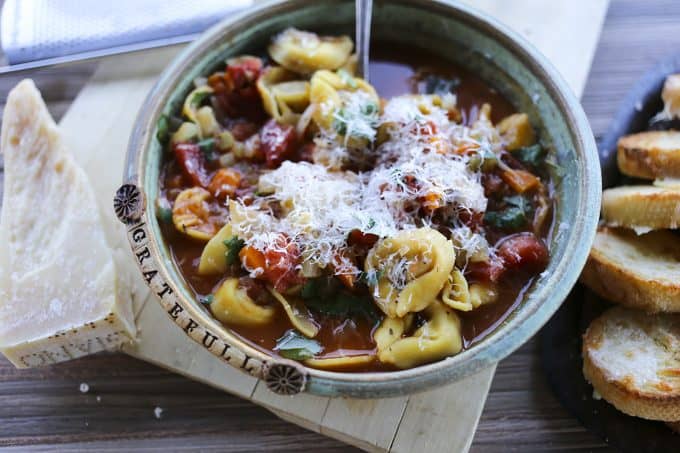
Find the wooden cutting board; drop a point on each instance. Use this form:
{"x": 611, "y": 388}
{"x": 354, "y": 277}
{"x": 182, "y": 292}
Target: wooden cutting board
{"x": 97, "y": 127}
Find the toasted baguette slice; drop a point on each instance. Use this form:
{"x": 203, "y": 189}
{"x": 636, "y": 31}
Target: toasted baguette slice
{"x": 632, "y": 360}
{"x": 642, "y": 208}
{"x": 650, "y": 155}
{"x": 637, "y": 271}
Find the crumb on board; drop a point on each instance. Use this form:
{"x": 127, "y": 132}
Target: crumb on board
{"x": 84, "y": 388}
{"x": 99, "y": 399}
{"x": 158, "y": 412}
{"x": 596, "y": 395}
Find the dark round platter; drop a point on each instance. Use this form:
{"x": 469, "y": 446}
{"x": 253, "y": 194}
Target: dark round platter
{"x": 560, "y": 339}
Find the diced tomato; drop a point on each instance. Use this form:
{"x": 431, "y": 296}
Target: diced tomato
{"x": 244, "y": 71}
{"x": 235, "y": 89}
{"x": 279, "y": 263}
{"x": 471, "y": 219}
{"x": 523, "y": 251}
{"x": 277, "y": 142}
{"x": 224, "y": 183}
{"x": 358, "y": 237}
{"x": 243, "y": 130}
{"x": 485, "y": 271}
{"x": 192, "y": 162}
{"x": 493, "y": 184}
{"x": 305, "y": 153}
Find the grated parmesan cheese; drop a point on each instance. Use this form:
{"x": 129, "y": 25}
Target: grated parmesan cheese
{"x": 318, "y": 204}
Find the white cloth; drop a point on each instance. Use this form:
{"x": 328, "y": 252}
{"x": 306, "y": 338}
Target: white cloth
{"x": 39, "y": 29}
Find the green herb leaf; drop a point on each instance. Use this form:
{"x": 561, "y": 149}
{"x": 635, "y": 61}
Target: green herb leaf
{"x": 234, "y": 246}
{"x": 164, "y": 214}
{"x": 163, "y": 129}
{"x": 532, "y": 155}
{"x": 207, "y": 147}
{"x": 327, "y": 295}
{"x": 434, "y": 84}
{"x": 369, "y": 109}
{"x": 370, "y": 224}
{"x": 199, "y": 97}
{"x": 207, "y": 300}
{"x": 293, "y": 345}
{"x": 513, "y": 216}
{"x": 371, "y": 278}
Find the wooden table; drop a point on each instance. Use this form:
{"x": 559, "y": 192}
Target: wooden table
{"x": 44, "y": 408}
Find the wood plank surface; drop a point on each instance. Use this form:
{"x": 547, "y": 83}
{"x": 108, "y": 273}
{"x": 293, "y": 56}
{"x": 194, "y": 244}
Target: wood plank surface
{"x": 42, "y": 409}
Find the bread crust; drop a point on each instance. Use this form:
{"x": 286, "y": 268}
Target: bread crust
{"x": 643, "y": 155}
{"x": 619, "y": 282}
{"x": 623, "y": 394}
{"x": 641, "y": 207}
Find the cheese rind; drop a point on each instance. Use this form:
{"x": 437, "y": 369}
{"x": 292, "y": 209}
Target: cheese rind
{"x": 61, "y": 296}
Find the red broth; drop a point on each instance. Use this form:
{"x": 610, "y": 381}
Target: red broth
{"x": 393, "y": 72}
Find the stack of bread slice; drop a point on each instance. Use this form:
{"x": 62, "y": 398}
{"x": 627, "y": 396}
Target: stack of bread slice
{"x": 631, "y": 353}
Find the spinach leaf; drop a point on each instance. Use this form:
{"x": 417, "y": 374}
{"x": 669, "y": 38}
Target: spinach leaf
{"x": 513, "y": 216}
{"x": 163, "y": 129}
{"x": 199, "y": 97}
{"x": 207, "y": 147}
{"x": 292, "y": 345}
{"x": 207, "y": 300}
{"x": 435, "y": 84}
{"x": 532, "y": 155}
{"x": 234, "y": 246}
{"x": 327, "y": 295}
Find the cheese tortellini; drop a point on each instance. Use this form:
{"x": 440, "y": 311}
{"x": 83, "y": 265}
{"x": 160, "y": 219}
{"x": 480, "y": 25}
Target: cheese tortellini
{"x": 458, "y": 295}
{"x": 412, "y": 268}
{"x": 304, "y": 52}
{"x": 191, "y": 214}
{"x": 231, "y": 304}
{"x": 326, "y": 89}
{"x": 213, "y": 258}
{"x": 284, "y": 98}
{"x": 439, "y": 337}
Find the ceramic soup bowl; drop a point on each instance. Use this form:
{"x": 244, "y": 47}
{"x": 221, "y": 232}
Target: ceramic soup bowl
{"x": 453, "y": 32}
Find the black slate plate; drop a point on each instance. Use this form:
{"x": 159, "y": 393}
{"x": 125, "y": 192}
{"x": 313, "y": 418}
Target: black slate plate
{"x": 561, "y": 338}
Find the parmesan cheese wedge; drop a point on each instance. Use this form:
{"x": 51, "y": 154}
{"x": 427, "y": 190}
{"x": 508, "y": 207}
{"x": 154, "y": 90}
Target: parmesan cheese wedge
{"x": 60, "y": 294}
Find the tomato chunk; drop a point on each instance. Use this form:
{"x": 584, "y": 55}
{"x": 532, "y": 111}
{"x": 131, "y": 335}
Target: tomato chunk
{"x": 192, "y": 162}
{"x": 358, "y": 237}
{"x": 277, "y": 264}
{"x": 277, "y": 142}
{"x": 523, "y": 251}
{"x": 485, "y": 271}
{"x": 235, "y": 89}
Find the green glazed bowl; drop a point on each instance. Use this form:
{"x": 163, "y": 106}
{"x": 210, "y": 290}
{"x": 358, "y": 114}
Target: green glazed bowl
{"x": 454, "y": 32}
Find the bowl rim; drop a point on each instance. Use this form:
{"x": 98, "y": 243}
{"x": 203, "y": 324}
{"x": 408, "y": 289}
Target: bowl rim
{"x": 483, "y": 355}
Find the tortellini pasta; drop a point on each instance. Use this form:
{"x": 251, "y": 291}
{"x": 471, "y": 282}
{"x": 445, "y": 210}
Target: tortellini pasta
{"x": 193, "y": 101}
{"x": 305, "y": 52}
{"x": 298, "y": 314}
{"x": 283, "y": 97}
{"x": 213, "y": 258}
{"x": 412, "y": 268}
{"x": 191, "y": 214}
{"x": 325, "y": 94}
{"x": 458, "y": 295}
{"x": 232, "y": 305}
{"x": 439, "y": 337}
{"x": 334, "y": 363}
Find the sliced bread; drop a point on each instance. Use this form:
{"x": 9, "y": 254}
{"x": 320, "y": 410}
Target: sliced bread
{"x": 642, "y": 208}
{"x": 637, "y": 271}
{"x": 650, "y": 155}
{"x": 632, "y": 359}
